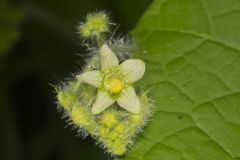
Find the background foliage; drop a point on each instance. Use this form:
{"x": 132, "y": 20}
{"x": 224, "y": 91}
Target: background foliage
{"x": 38, "y": 47}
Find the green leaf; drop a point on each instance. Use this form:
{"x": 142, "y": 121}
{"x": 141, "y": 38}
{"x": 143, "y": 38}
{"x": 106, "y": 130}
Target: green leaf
{"x": 9, "y": 21}
{"x": 192, "y": 54}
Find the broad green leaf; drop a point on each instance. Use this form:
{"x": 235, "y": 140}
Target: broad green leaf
{"x": 9, "y": 25}
{"x": 192, "y": 54}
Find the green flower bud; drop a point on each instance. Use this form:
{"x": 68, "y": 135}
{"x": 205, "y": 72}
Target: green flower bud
{"x": 118, "y": 148}
{"x": 96, "y": 24}
{"x": 109, "y": 119}
{"x": 66, "y": 99}
{"x": 81, "y": 117}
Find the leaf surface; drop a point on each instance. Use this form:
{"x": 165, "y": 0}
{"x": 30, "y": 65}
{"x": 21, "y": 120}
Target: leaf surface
{"x": 192, "y": 54}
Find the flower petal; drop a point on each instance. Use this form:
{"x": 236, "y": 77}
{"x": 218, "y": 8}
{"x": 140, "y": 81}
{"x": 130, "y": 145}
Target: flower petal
{"x": 102, "y": 102}
{"x": 92, "y": 77}
{"x": 108, "y": 58}
{"x": 133, "y": 69}
{"x": 129, "y": 100}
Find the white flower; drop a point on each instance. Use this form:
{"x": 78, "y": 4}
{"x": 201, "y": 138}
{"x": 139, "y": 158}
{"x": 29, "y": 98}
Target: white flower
{"x": 114, "y": 82}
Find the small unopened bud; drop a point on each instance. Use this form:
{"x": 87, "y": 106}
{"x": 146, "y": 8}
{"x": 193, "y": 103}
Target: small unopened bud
{"x": 66, "y": 99}
{"x": 95, "y": 25}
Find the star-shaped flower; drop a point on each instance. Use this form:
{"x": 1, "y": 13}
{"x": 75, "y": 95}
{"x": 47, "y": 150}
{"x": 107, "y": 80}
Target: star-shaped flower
{"x": 114, "y": 81}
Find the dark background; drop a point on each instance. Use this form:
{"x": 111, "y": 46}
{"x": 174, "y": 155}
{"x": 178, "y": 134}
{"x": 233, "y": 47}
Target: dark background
{"x": 38, "y": 47}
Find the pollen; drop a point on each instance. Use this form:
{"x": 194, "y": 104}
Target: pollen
{"x": 115, "y": 85}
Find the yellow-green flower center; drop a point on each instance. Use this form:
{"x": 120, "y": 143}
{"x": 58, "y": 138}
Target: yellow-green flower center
{"x": 115, "y": 85}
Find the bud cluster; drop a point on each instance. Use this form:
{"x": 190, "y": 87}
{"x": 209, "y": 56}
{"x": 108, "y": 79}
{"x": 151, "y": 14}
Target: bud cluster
{"x": 115, "y": 126}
